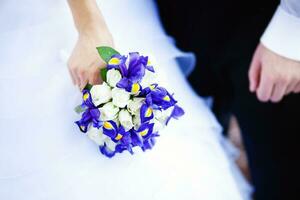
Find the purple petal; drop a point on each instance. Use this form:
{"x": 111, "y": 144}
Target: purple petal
{"x": 146, "y": 129}
{"x": 136, "y": 68}
{"x": 136, "y": 72}
{"x": 107, "y": 152}
{"x": 95, "y": 113}
{"x": 110, "y": 129}
{"x": 123, "y": 83}
{"x": 121, "y": 67}
{"x": 176, "y": 113}
{"x": 137, "y": 140}
{"x": 150, "y": 68}
{"x": 146, "y": 113}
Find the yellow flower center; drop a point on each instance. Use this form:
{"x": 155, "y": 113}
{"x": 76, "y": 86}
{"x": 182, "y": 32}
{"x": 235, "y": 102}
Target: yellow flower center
{"x": 135, "y": 88}
{"x": 114, "y": 61}
{"x": 152, "y": 87}
{"x": 108, "y": 125}
{"x": 119, "y": 137}
{"x": 144, "y": 132}
{"x": 166, "y": 98}
{"x": 148, "y": 112}
{"x": 86, "y": 96}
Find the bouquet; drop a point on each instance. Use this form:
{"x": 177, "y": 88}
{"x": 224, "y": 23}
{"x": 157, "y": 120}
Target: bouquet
{"x": 129, "y": 108}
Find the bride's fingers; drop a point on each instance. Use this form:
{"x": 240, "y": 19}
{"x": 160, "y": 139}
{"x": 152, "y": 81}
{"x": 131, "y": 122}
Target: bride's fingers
{"x": 83, "y": 84}
{"x": 94, "y": 76}
{"x": 75, "y": 77}
{"x": 72, "y": 76}
{"x": 83, "y": 79}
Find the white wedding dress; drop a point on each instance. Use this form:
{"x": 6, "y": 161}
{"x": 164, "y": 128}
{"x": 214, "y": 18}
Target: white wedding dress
{"x": 43, "y": 156}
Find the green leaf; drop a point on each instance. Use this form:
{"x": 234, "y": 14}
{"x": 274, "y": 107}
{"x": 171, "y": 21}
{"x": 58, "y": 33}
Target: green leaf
{"x": 88, "y": 87}
{"x": 106, "y": 52}
{"x": 79, "y": 109}
{"x": 103, "y": 73}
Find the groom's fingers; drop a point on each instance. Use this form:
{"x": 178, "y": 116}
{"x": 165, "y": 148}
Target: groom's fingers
{"x": 291, "y": 87}
{"x": 254, "y": 72}
{"x": 265, "y": 88}
{"x": 278, "y": 92}
{"x": 297, "y": 88}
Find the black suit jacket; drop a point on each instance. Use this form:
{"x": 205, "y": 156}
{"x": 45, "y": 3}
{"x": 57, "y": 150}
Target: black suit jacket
{"x": 208, "y": 24}
{"x": 215, "y": 30}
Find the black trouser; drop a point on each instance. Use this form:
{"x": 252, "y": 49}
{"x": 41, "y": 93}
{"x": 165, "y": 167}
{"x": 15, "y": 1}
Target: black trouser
{"x": 224, "y": 35}
{"x": 269, "y": 130}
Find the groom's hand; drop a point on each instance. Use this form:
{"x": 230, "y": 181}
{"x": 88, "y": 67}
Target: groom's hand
{"x": 272, "y": 76}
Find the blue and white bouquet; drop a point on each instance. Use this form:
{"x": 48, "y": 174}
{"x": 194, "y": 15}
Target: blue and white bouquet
{"x": 129, "y": 108}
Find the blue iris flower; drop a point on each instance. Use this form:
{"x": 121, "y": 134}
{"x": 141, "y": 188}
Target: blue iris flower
{"x": 132, "y": 75}
{"x": 106, "y": 151}
{"x": 118, "y": 62}
{"x": 145, "y": 130}
{"x": 176, "y": 113}
{"x": 156, "y": 98}
{"x": 149, "y": 143}
{"x": 90, "y": 115}
{"x": 119, "y": 136}
{"x": 161, "y": 98}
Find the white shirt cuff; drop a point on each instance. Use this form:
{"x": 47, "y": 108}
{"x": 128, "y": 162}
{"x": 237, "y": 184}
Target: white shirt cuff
{"x": 282, "y": 35}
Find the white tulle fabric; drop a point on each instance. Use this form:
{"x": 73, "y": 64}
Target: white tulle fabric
{"x": 42, "y": 153}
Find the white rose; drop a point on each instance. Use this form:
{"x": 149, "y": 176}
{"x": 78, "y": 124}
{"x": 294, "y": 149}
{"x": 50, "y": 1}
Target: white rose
{"x": 100, "y": 93}
{"x": 111, "y": 145}
{"x": 163, "y": 115}
{"x": 125, "y": 119}
{"x": 135, "y": 105}
{"x": 116, "y": 120}
{"x": 108, "y": 112}
{"x": 96, "y": 135}
{"x": 113, "y": 76}
{"x": 158, "y": 125}
{"x": 137, "y": 121}
{"x": 148, "y": 79}
{"x": 120, "y": 97}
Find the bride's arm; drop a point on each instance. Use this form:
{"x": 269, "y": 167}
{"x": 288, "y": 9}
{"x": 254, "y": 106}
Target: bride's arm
{"x": 84, "y": 63}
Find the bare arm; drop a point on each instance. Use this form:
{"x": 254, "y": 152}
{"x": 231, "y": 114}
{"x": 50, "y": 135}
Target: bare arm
{"x": 84, "y": 63}
{"x": 86, "y": 15}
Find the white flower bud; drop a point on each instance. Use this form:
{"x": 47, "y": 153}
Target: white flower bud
{"x": 120, "y": 97}
{"x": 137, "y": 121}
{"x": 125, "y": 119}
{"x": 158, "y": 126}
{"x": 163, "y": 115}
{"x": 108, "y": 112}
{"x": 148, "y": 79}
{"x": 96, "y": 135}
{"x": 111, "y": 145}
{"x": 113, "y": 76}
{"x": 101, "y": 93}
{"x": 134, "y": 105}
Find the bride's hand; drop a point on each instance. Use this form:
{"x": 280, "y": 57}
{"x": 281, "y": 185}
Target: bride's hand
{"x": 85, "y": 63}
